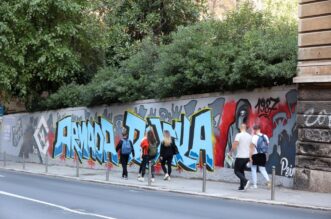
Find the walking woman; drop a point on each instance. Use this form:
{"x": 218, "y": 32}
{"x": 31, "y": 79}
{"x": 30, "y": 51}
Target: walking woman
{"x": 125, "y": 147}
{"x": 168, "y": 150}
{"x": 149, "y": 152}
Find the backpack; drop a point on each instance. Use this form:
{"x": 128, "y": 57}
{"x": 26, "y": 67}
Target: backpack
{"x": 262, "y": 145}
{"x": 152, "y": 150}
{"x": 126, "y": 147}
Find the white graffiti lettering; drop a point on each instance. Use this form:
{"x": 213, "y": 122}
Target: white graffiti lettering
{"x": 320, "y": 119}
{"x": 286, "y": 170}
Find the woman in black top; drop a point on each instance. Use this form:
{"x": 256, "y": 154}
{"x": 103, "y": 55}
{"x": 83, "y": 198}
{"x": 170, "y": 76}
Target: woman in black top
{"x": 168, "y": 150}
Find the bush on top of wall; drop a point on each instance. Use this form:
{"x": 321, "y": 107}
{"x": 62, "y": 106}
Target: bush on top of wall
{"x": 249, "y": 49}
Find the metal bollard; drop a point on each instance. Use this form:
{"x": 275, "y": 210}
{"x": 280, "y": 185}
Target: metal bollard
{"x": 77, "y": 167}
{"x": 273, "y": 178}
{"x": 149, "y": 173}
{"x": 23, "y": 163}
{"x": 204, "y": 177}
{"x": 107, "y": 172}
{"x": 46, "y": 163}
{"x": 4, "y": 159}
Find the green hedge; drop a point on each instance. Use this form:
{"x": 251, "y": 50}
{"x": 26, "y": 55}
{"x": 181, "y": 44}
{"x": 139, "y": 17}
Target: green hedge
{"x": 248, "y": 49}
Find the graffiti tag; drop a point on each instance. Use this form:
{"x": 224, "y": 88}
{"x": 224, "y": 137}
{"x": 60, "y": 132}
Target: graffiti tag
{"x": 87, "y": 139}
{"x": 320, "y": 119}
{"x": 286, "y": 169}
{"x": 266, "y": 106}
{"x": 318, "y": 135}
{"x": 96, "y": 140}
{"x": 190, "y": 136}
{"x": 17, "y": 133}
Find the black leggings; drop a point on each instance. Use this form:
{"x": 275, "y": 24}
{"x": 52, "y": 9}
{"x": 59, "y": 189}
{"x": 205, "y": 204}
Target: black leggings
{"x": 124, "y": 162}
{"x": 167, "y": 160}
{"x": 144, "y": 162}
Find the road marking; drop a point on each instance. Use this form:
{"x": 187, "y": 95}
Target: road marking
{"x": 2, "y": 176}
{"x": 54, "y": 205}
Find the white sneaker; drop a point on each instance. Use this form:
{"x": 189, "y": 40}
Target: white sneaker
{"x": 254, "y": 187}
{"x": 169, "y": 178}
{"x": 141, "y": 179}
{"x": 166, "y": 176}
{"x": 152, "y": 180}
{"x": 139, "y": 175}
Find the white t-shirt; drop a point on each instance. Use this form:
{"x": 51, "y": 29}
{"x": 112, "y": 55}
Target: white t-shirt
{"x": 256, "y": 138}
{"x": 244, "y": 140}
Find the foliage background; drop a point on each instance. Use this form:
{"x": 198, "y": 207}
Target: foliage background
{"x": 82, "y": 53}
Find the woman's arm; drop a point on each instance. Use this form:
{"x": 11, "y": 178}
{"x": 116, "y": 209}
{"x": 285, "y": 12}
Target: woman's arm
{"x": 174, "y": 147}
{"x": 162, "y": 150}
{"x": 133, "y": 155}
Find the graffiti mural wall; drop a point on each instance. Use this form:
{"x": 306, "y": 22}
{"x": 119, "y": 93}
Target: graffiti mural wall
{"x": 206, "y": 123}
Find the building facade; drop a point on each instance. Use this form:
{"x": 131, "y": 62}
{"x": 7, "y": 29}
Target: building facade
{"x": 313, "y": 159}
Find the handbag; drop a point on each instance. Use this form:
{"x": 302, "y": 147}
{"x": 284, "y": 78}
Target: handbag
{"x": 229, "y": 160}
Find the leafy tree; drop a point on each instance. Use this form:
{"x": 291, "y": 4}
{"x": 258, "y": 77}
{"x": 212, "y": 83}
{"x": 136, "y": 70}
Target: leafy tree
{"x": 285, "y": 10}
{"x": 133, "y": 80}
{"x": 131, "y": 21}
{"x": 47, "y": 43}
{"x": 248, "y": 49}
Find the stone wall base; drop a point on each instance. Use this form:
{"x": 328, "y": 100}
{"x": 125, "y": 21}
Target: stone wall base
{"x": 312, "y": 180}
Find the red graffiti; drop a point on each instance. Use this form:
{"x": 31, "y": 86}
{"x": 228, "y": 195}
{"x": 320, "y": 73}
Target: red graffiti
{"x": 157, "y": 168}
{"x": 266, "y": 123}
{"x": 179, "y": 169}
{"x": 51, "y": 138}
{"x": 63, "y": 155}
{"x": 91, "y": 163}
{"x": 228, "y": 117}
{"x": 109, "y": 165}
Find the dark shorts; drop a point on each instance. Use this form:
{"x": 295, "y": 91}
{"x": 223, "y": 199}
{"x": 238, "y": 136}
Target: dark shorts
{"x": 259, "y": 159}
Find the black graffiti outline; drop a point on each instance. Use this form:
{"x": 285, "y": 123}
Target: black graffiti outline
{"x": 266, "y": 105}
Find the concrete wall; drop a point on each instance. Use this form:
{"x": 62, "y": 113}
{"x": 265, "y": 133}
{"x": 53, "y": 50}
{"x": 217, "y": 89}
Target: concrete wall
{"x": 313, "y": 161}
{"x": 206, "y": 122}
{"x": 13, "y": 106}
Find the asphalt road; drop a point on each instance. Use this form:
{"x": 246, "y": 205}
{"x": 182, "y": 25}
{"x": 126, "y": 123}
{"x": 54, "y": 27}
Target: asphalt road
{"x": 30, "y": 196}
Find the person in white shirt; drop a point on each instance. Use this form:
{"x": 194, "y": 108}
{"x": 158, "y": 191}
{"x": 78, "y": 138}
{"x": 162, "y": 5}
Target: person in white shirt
{"x": 241, "y": 143}
{"x": 258, "y": 159}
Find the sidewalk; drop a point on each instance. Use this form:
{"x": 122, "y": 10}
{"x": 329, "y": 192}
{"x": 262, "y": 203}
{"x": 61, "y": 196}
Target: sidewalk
{"x": 283, "y": 196}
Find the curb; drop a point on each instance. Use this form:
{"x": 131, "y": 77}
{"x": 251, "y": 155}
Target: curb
{"x": 145, "y": 187}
